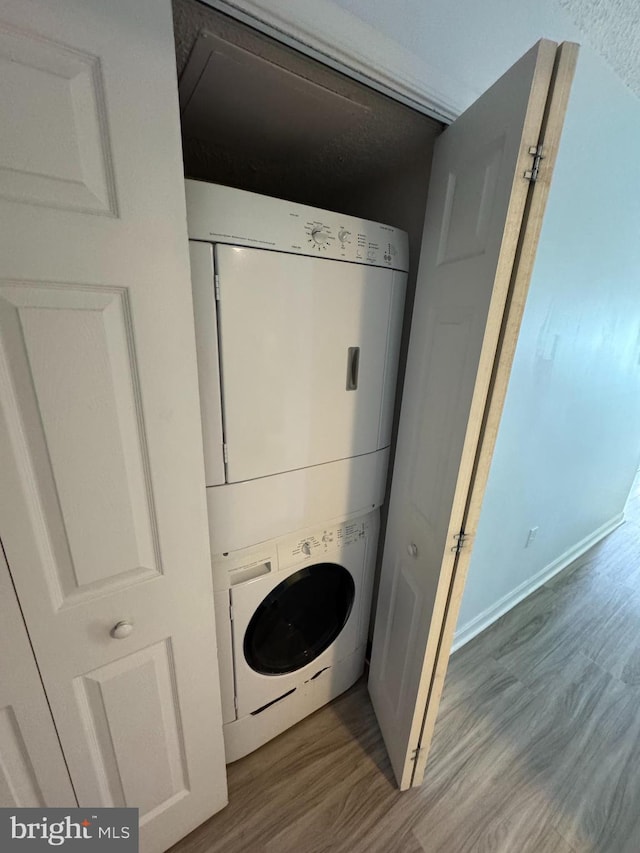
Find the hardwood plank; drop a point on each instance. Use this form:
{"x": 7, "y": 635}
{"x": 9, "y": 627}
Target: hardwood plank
{"x": 573, "y": 616}
{"x": 600, "y": 808}
{"x": 512, "y": 780}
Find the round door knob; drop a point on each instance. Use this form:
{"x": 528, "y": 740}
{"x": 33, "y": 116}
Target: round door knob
{"x": 121, "y": 630}
{"x": 412, "y": 550}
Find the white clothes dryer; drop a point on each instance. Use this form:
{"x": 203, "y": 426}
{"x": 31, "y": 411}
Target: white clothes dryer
{"x": 292, "y": 622}
{"x": 298, "y": 316}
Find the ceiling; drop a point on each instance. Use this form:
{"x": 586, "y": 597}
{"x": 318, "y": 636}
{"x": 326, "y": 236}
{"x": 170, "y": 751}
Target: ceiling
{"x": 612, "y": 28}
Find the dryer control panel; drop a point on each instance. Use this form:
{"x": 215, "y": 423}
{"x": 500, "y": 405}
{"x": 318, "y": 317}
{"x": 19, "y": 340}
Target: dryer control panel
{"x": 219, "y": 214}
{"x": 322, "y": 541}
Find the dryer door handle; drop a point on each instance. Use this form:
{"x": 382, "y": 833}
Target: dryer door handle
{"x": 353, "y": 365}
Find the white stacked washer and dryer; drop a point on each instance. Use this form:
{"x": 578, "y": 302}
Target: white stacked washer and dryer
{"x": 298, "y": 316}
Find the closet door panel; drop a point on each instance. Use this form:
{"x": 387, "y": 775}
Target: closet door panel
{"x": 32, "y": 769}
{"x": 128, "y": 709}
{"x": 69, "y": 361}
{"x": 102, "y": 502}
{"x": 481, "y": 228}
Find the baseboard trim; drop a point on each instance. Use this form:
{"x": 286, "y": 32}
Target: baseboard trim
{"x": 478, "y": 624}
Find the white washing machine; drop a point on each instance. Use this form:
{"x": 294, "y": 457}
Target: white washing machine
{"x": 292, "y": 619}
{"x": 298, "y": 316}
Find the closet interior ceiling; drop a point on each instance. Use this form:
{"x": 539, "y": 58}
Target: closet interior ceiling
{"x": 318, "y": 137}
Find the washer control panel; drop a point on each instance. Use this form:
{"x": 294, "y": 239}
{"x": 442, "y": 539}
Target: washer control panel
{"x": 219, "y": 214}
{"x": 312, "y": 546}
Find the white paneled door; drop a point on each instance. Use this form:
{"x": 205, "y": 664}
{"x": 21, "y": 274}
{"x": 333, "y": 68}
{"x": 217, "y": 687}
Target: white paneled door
{"x": 102, "y": 505}
{"x": 482, "y": 223}
{"x": 32, "y": 768}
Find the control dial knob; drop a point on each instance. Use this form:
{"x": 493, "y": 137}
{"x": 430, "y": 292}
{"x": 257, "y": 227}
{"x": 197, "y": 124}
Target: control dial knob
{"x": 319, "y": 236}
{"x": 306, "y": 548}
{"x": 343, "y": 236}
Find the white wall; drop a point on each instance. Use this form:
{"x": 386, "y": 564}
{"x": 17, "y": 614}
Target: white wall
{"x": 569, "y": 442}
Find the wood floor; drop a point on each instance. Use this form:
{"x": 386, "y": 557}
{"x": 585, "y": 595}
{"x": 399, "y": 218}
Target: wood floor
{"x": 536, "y": 750}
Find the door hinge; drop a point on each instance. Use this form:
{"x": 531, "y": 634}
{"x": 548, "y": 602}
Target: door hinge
{"x": 415, "y": 753}
{"x": 216, "y": 284}
{"x": 461, "y": 541}
{"x": 532, "y": 173}
{"x": 225, "y": 454}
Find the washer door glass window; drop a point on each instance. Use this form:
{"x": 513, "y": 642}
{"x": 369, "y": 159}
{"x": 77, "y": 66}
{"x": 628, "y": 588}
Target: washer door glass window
{"x": 299, "y": 619}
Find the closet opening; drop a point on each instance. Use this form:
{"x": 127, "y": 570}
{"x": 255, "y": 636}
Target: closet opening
{"x": 260, "y": 116}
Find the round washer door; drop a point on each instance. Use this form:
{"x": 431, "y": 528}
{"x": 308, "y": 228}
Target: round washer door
{"x": 299, "y": 619}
